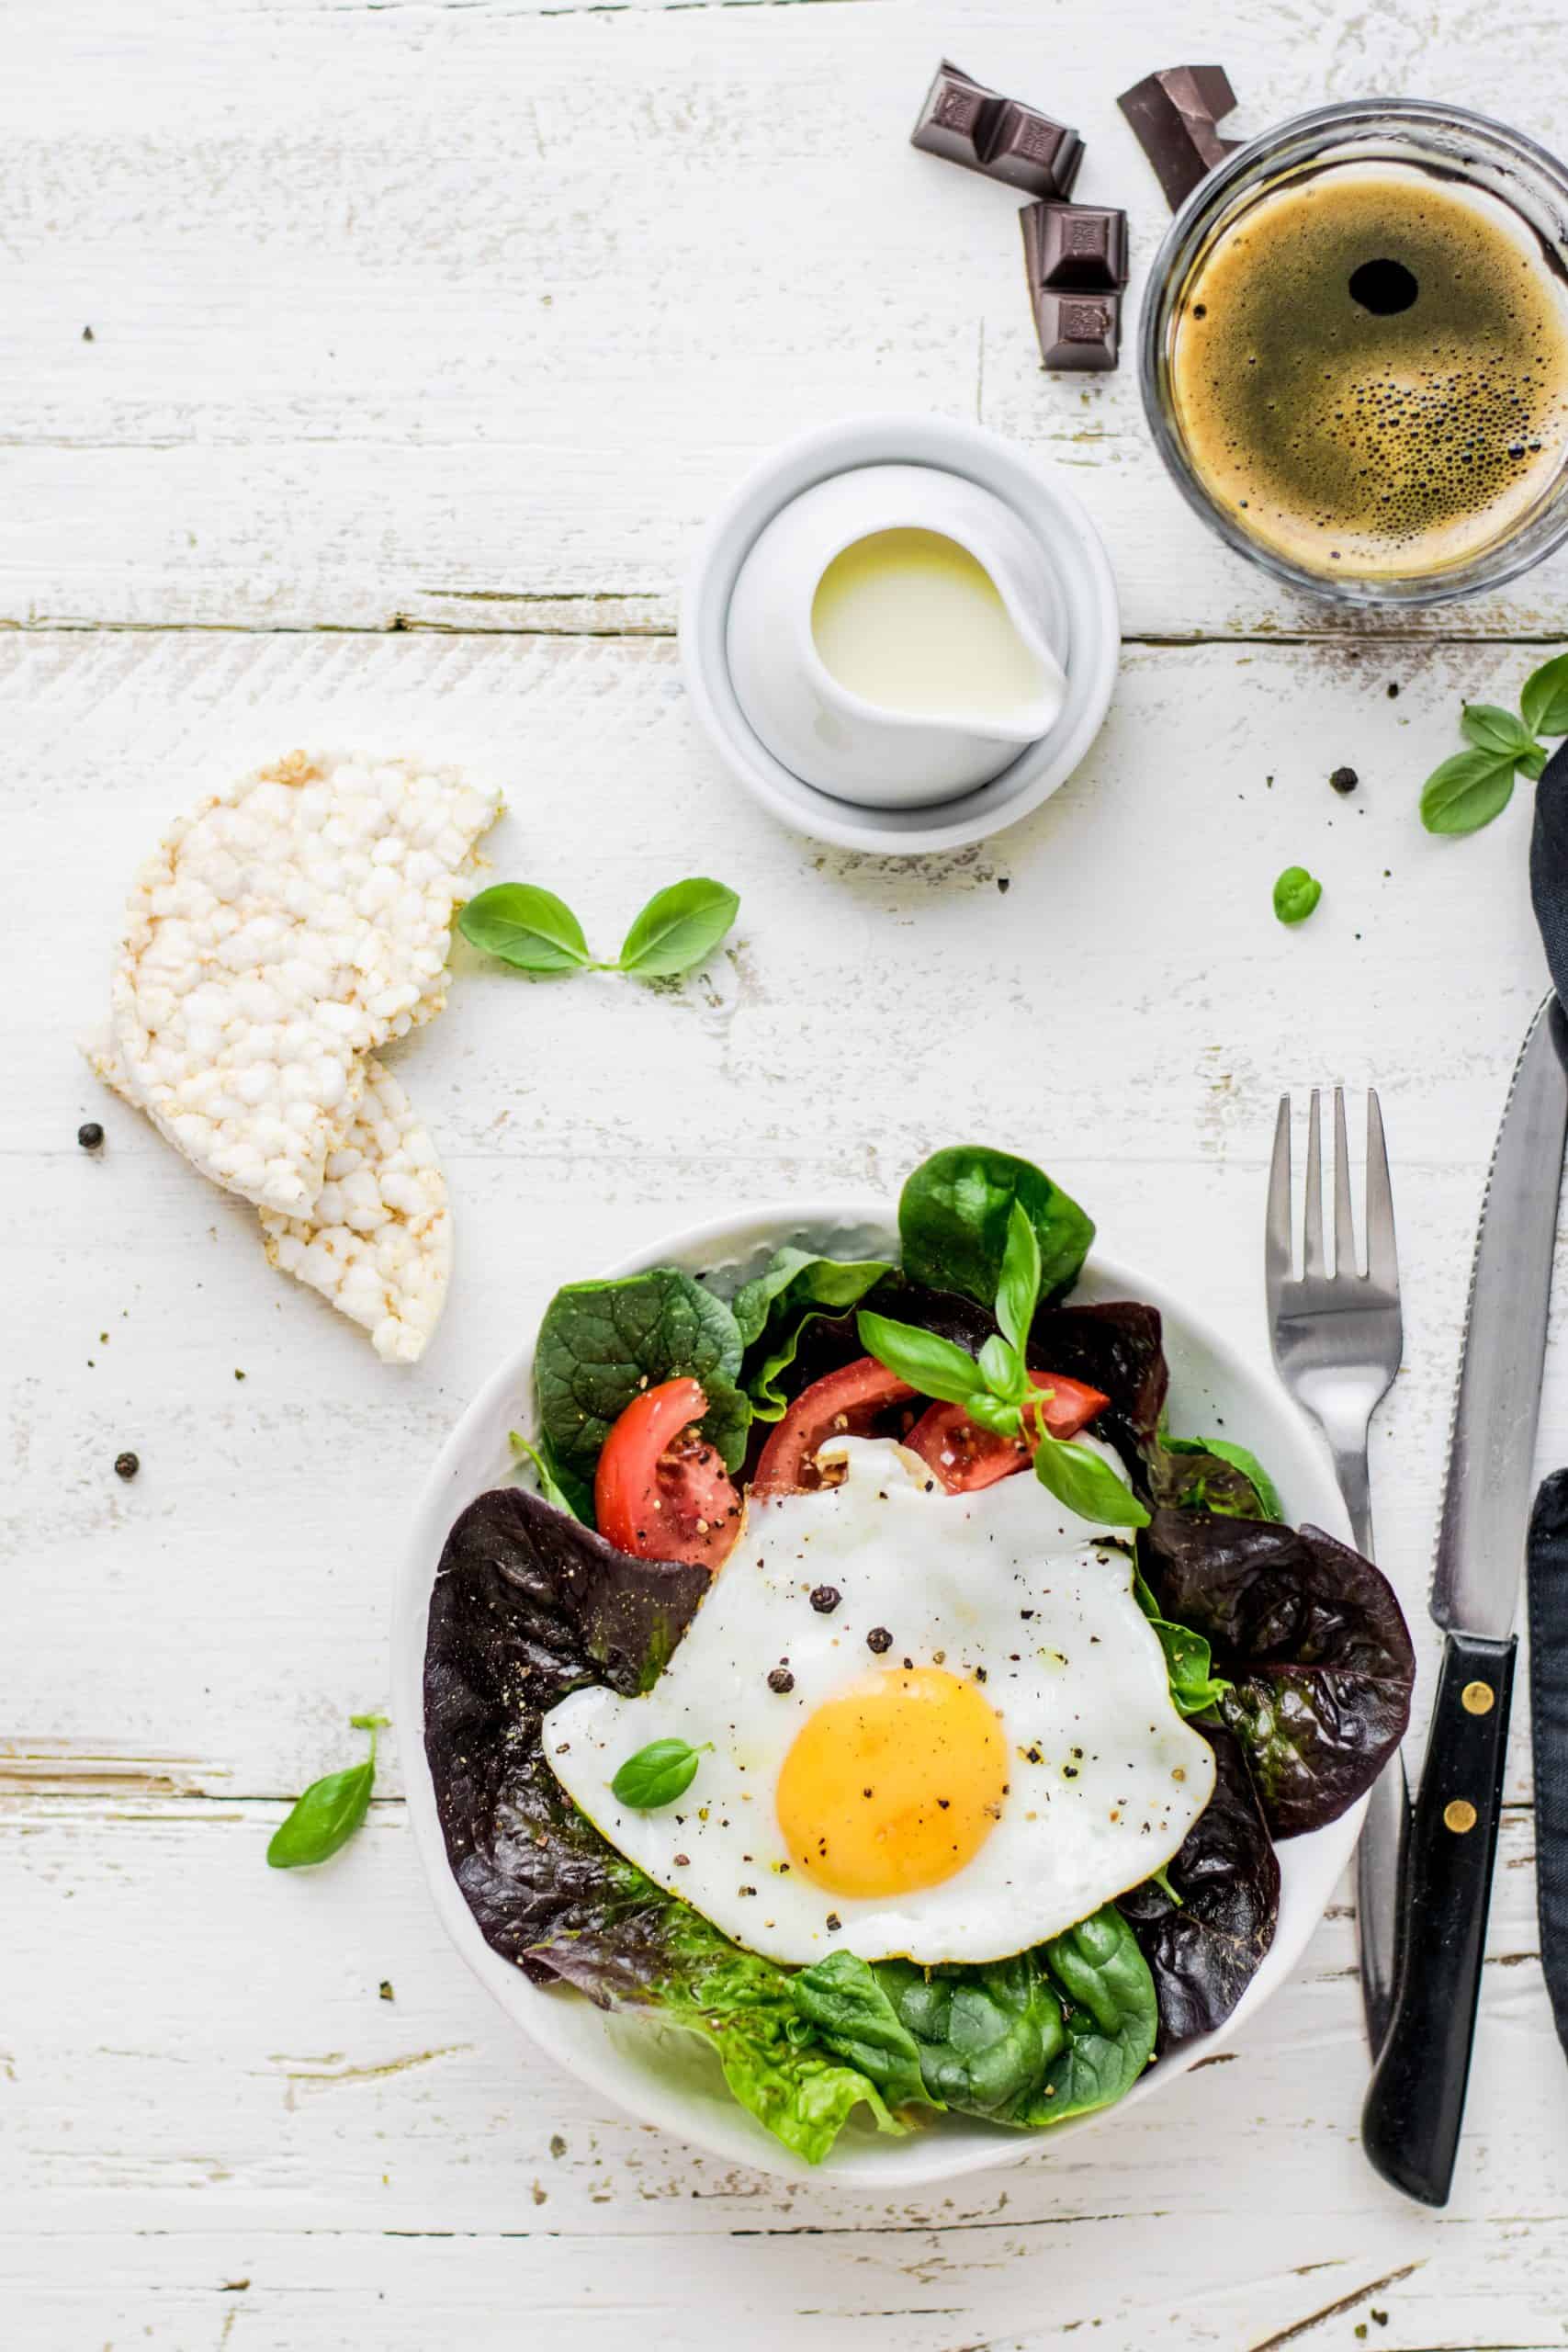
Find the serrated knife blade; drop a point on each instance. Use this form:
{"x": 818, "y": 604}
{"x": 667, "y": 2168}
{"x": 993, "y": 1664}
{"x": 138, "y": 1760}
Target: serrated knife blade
{"x": 1486, "y": 1503}
{"x": 1415, "y": 2105}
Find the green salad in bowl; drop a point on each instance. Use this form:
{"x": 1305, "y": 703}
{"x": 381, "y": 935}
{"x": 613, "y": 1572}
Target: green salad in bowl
{"x": 869, "y": 1711}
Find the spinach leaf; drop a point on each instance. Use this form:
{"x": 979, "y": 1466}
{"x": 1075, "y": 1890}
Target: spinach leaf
{"x": 656, "y": 1775}
{"x": 602, "y": 1343}
{"x": 852, "y": 2012}
{"x": 550, "y": 1486}
{"x": 677, "y": 928}
{"x": 525, "y": 926}
{"x": 774, "y": 1309}
{"x": 1313, "y": 1641}
{"x": 1205, "y": 1934}
{"x": 1544, "y": 699}
{"x": 986, "y": 2036}
{"x": 1195, "y": 1688}
{"x": 1296, "y": 894}
{"x": 954, "y": 1214}
{"x": 1211, "y": 1473}
{"x": 331, "y": 1810}
{"x": 1112, "y": 2017}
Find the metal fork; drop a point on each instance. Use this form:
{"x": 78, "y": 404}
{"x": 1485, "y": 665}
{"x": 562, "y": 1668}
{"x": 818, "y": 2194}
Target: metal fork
{"x": 1338, "y": 1339}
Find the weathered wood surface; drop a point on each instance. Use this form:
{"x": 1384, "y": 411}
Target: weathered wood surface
{"x": 463, "y": 317}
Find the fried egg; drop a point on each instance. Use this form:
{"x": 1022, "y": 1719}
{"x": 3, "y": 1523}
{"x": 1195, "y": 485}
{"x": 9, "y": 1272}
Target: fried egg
{"x": 929, "y": 1725}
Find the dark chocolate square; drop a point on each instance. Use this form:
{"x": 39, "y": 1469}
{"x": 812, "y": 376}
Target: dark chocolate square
{"x": 1173, "y": 114}
{"x": 1081, "y": 245}
{"x": 965, "y": 123}
{"x": 1078, "y": 332}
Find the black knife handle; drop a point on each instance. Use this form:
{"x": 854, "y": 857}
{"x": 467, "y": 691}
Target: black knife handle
{"x": 1410, "y": 2124}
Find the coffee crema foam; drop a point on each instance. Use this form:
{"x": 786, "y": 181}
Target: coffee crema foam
{"x": 1374, "y": 442}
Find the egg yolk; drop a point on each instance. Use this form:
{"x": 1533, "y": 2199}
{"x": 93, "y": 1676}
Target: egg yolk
{"x": 894, "y": 1783}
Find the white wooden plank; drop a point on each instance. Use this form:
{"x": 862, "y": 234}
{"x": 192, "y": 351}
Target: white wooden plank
{"x": 468, "y": 314}
{"x": 201, "y": 2085}
{"x": 1128, "y": 1010}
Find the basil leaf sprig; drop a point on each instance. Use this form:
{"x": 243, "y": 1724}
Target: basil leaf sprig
{"x": 331, "y": 1810}
{"x": 658, "y": 1774}
{"x": 529, "y": 927}
{"x": 1296, "y": 893}
{"x": 1465, "y": 792}
{"x": 995, "y": 1388}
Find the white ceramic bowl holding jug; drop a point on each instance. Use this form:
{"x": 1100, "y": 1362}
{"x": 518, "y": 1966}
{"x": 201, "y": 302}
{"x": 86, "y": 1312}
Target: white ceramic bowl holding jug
{"x": 878, "y": 746}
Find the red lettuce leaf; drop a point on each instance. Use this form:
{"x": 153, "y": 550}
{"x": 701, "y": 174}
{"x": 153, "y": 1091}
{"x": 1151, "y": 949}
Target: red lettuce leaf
{"x": 1204, "y": 1951}
{"x": 1314, "y": 1642}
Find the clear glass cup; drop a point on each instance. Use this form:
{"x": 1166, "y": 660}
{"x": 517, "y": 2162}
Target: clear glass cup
{"x": 1487, "y": 155}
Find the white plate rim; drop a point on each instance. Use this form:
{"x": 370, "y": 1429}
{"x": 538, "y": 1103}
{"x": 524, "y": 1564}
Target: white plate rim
{"x": 1313, "y": 1864}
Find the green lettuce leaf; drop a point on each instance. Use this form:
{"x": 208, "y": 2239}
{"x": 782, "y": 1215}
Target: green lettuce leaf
{"x": 1194, "y": 1686}
{"x": 773, "y": 1310}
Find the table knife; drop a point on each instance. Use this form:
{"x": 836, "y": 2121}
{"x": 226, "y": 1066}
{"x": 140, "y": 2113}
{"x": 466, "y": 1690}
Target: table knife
{"x": 1410, "y": 2124}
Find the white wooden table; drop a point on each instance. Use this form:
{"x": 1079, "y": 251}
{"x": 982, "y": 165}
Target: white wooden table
{"x": 422, "y": 338}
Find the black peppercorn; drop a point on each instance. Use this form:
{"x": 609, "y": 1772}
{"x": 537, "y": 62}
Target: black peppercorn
{"x": 89, "y": 1135}
{"x": 780, "y": 1680}
{"x": 825, "y": 1599}
{"x": 1344, "y": 779}
{"x": 879, "y": 1639}
{"x": 126, "y": 1465}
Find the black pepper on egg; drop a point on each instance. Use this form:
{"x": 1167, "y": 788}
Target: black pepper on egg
{"x": 825, "y": 1599}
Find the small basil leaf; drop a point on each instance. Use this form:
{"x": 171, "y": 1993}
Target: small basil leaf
{"x": 1491, "y": 729}
{"x": 997, "y": 1414}
{"x": 677, "y": 928}
{"x": 656, "y": 1775}
{"x": 1544, "y": 700}
{"x": 525, "y": 926}
{"x": 1532, "y": 764}
{"x": 1017, "y": 1289}
{"x": 1466, "y": 792}
{"x": 1296, "y": 893}
{"x": 330, "y": 1812}
{"x": 928, "y": 1362}
{"x": 550, "y": 1487}
{"x": 1087, "y": 1484}
{"x": 1001, "y": 1367}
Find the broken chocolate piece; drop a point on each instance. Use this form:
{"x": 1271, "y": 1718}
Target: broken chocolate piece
{"x": 1077, "y": 331}
{"x": 1082, "y": 245}
{"x": 965, "y": 123}
{"x": 1173, "y": 116}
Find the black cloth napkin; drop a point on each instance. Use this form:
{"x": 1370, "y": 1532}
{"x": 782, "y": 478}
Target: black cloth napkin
{"x": 1548, "y": 1562}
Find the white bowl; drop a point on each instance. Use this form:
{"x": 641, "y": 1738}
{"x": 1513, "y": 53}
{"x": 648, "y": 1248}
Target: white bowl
{"x": 668, "y": 2078}
{"x": 831, "y": 736}
{"x": 1089, "y": 647}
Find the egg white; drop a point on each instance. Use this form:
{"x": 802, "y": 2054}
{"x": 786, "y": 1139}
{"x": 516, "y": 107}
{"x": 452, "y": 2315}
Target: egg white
{"x": 1006, "y": 1586}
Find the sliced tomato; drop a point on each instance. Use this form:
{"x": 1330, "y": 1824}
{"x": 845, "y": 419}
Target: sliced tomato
{"x": 847, "y": 1403}
{"x": 965, "y": 1456}
{"x": 661, "y": 1490}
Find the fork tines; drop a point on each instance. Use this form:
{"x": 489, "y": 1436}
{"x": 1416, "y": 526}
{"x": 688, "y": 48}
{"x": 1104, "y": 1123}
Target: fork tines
{"x": 1382, "y": 1265}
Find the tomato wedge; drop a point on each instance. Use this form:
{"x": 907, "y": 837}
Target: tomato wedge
{"x": 965, "y": 1456}
{"x": 661, "y": 1490}
{"x": 847, "y": 1403}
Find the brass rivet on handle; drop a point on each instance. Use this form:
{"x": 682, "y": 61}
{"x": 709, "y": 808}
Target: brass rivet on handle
{"x": 1459, "y": 1816}
{"x": 1478, "y": 1698}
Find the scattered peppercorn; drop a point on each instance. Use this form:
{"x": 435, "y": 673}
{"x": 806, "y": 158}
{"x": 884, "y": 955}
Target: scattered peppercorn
{"x": 1344, "y": 779}
{"x": 878, "y": 1640}
{"x": 1003, "y": 884}
{"x": 682, "y": 1861}
{"x": 90, "y": 1135}
{"x": 832, "y": 1923}
{"x": 1393, "y": 690}
{"x": 780, "y": 1680}
{"x": 126, "y": 1465}
{"x": 239, "y": 1375}
{"x": 825, "y": 1599}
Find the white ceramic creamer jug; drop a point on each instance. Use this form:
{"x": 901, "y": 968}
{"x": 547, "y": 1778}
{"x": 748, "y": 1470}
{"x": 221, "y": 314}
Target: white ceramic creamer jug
{"x": 894, "y": 636}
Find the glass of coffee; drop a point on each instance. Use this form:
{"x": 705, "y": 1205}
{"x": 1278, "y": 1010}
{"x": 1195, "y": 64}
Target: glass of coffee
{"x": 1354, "y": 351}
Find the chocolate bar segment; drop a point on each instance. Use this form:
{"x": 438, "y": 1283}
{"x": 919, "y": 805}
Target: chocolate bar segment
{"x": 1082, "y": 245}
{"x": 1078, "y": 332}
{"x": 965, "y": 123}
{"x": 1173, "y": 115}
